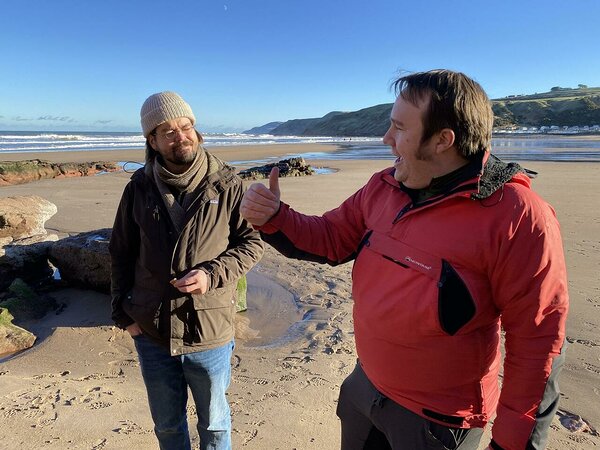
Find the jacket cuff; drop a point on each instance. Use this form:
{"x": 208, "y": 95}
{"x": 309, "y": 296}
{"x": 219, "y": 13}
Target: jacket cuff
{"x": 123, "y": 321}
{"x": 207, "y": 268}
{"x": 276, "y": 222}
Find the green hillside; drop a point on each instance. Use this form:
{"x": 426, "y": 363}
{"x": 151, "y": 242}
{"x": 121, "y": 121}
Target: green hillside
{"x": 558, "y": 107}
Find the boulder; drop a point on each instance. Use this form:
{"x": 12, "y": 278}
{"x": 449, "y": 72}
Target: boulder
{"x": 13, "y": 338}
{"x": 24, "y": 216}
{"x": 83, "y": 260}
{"x": 27, "y": 259}
{"x": 292, "y": 167}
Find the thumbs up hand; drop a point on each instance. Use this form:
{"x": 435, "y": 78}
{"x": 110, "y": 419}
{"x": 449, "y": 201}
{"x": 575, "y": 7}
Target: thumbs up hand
{"x": 260, "y": 202}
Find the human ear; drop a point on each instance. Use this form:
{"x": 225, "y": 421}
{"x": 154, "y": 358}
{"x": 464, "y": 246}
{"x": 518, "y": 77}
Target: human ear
{"x": 445, "y": 140}
{"x": 152, "y": 141}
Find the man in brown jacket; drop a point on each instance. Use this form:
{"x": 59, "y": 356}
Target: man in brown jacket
{"x": 178, "y": 247}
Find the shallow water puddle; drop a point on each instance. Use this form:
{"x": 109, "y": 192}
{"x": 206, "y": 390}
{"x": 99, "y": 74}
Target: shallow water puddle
{"x": 272, "y": 312}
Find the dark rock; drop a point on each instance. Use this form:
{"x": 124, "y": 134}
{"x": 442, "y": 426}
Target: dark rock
{"x": 83, "y": 260}
{"x": 293, "y": 167}
{"x": 27, "y": 259}
{"x": 18, "y": 172}
{"x": 24, "y": 303}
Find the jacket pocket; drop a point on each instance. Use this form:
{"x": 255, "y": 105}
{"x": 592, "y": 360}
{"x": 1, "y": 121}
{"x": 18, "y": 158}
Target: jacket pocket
{"x": 144, "y": 308}
{"x": 441, "y": 296}
{"x": 455, "y": 304}
{"x": 223, "y": 297}
{"x": 213, "y": 318}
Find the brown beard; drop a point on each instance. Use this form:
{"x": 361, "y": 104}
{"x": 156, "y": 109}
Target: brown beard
{"x": 179, "y": 156}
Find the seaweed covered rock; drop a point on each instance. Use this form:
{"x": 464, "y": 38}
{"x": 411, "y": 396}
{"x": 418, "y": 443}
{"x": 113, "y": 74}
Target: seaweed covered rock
{"x": 26, "y": 304}
{"x": 19, "y": 172}
{"x": 13, "y": 338}
{"x": 292, "y": 167}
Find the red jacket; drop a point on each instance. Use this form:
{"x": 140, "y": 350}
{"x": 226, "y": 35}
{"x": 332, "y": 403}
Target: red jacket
{"x": 430, "y": 284}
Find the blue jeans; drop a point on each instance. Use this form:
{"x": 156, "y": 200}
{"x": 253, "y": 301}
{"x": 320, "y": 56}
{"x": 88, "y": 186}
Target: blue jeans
{"x": 207, "y": 373}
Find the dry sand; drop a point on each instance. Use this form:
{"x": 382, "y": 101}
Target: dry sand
{"x": 80, "y": 387}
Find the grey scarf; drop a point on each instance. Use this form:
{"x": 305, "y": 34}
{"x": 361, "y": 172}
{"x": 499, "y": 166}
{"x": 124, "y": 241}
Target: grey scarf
{"x": 185, "y": 184}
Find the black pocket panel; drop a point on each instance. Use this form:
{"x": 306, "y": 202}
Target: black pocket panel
{"x": 455, "y": 304}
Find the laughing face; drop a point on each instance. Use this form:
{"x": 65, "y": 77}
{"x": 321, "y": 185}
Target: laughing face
{"x": 414, "y": 159}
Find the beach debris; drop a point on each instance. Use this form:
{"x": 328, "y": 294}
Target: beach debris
{"x": 19, "y": 172}
{"x": 292, "y": 167}
{"x": 575, "y": 423}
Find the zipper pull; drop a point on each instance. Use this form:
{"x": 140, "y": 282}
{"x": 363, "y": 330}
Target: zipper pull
{"x": 155, "y": 214}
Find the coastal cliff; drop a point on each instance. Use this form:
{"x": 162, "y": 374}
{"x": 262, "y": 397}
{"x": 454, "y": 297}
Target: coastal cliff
{"x": 560, "y": 107}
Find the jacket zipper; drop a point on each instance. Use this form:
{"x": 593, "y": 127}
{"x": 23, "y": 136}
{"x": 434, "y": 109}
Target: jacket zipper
{"x": 411, "y": 206}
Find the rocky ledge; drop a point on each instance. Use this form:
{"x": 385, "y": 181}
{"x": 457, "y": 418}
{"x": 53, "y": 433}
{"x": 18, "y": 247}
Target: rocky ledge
{"x": 293, "y": 167}
{"x": 19, "y": 172}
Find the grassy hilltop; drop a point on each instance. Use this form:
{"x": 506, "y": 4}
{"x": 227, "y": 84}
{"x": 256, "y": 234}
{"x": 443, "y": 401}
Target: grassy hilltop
{"x": 558, "y": 107}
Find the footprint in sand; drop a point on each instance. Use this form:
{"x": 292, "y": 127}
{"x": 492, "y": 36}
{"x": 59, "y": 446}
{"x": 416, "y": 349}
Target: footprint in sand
{"x": 99, "y": 444}
{"x": 129, "y": 427}
{"x": 124, "y": 363}
{"x": 592, "y": 368}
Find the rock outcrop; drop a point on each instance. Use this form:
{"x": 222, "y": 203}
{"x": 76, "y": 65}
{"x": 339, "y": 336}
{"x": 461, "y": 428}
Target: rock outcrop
{"x": 26, "y": 259}
{"x": 24, "y": 242}
{"x": 25, "y": 216}
{"x": 293, "y": 167}
{"x": 83, "y": 260}
{"x": 19, "y": 172}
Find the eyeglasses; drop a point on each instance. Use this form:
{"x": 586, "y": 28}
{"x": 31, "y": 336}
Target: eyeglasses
{"x": 170, "y": 135}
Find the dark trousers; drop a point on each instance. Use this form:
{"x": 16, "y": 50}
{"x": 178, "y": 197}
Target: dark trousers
{"x": 371, "y": 421}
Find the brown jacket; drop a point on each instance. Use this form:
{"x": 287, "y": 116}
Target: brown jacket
{"x": 147, "y": 252}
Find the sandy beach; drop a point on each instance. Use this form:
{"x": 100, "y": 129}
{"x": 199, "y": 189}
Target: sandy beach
{"x": 80, "y": 386}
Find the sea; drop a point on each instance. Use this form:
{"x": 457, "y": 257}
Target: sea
{"x": 509, "y": 148}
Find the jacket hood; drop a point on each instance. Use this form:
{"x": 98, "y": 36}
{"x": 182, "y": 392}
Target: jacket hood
{"x": 496, "y": 173}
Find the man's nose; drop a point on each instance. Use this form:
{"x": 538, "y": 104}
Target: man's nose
{"x": 387, "y": 138}
{"x": 179, "y": 135}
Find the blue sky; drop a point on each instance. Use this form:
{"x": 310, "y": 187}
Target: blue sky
{"x": 89, "y": 65}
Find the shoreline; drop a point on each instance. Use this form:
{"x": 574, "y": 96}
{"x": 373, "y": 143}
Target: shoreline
{"x": 227, "y": 153}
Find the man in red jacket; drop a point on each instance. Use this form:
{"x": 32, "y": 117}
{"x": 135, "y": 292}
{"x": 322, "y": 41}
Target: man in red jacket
{"x": 449, "y": 245}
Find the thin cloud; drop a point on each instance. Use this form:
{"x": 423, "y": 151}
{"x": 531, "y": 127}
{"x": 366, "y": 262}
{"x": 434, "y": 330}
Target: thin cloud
{"x": 21, "y": 119}
{"x": 103, "y": 122}
{"x": 56, "y": 118}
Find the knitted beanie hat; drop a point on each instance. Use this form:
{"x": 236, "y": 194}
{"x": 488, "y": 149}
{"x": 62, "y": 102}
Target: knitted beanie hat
{"x": 158, "y": 108}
